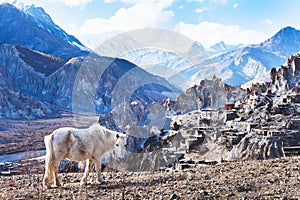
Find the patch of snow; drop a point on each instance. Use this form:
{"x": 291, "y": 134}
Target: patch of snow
{"x": 227, "y": 75}
{"x": 253, "y": 68}
{"x": 83, "y": 48}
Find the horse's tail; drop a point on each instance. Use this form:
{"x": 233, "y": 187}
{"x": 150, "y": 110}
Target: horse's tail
{"x": 48, "y": 139}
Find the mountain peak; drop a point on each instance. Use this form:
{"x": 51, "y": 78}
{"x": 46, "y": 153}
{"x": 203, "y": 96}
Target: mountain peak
{"x": 6, "y": 4}
{"x": 220, "y": 46}
{"x": 38, "y": 30}
{"x": 288, "y": 28}
{"x": 287, "y": 31}
{"x": 285, "y": 42}
{"x": 39, "y": 14}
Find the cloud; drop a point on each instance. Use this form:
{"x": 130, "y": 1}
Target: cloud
{"x": 123, "y": 1}
{"x": 266, "y": 22}
{"x": 235, "y": 5}
{"x": 215, "y": 1}
{"x": 195, "y": 0}
{"x": 180, "y": 7}
{"x": 200, "y": 10}
{"x": 219, "y": 1}
{"x": 139, "y": 1}
{"x": 142, "y": 14}
{"x": 109, "y": 1}
{"x": 73, "y": 3}
{"x": 209, "y": 33}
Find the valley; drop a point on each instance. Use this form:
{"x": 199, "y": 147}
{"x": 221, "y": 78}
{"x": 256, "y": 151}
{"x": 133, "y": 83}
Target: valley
{"x": 28, "y": 135}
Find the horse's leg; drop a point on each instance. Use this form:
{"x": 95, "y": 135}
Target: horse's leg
{"x": 48, "y": 175}
{"x": 98, "y": 172}
{"x": 45, "y": 180}
{"x": 86, "y": 171}
{"x": 55, "y": 173}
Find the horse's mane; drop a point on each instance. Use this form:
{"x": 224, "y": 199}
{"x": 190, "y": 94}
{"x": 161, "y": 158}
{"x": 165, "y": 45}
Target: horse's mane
{"x": 103, "y": 130}
{"x": 96, "y": 126}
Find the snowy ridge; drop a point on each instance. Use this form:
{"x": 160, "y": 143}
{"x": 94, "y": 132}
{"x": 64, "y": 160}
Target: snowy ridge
{"x": 48, "y": 37}
{"x": 43, "y": 20}
{"x": 235, "y": 64}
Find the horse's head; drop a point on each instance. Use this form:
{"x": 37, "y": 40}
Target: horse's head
{"x": 121, "y": 140}
{"x": 121, "y": 144}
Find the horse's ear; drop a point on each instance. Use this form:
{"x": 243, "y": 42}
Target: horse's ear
{"x": 117, "y": 135}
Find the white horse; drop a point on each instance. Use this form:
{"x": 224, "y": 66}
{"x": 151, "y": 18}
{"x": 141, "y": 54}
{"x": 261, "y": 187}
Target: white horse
{"x": 78, "y": 145}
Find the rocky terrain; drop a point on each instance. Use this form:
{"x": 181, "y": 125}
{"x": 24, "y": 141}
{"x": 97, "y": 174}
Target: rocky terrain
{"x": 215, "y": 121}
{"x": 268, "y": 179}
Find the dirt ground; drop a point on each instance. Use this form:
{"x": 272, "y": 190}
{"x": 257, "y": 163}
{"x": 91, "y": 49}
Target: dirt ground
{"x": 269, "y": 179}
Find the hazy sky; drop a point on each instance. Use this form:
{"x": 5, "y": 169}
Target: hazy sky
{"x": 207, "y": 21}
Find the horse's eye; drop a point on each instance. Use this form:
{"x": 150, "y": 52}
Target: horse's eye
{"x": 117, "y": 145}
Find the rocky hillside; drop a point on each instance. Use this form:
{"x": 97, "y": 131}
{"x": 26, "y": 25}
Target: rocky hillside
{"x": 208, "y": 94}
{"x": 218, "y": 122}
{"x": 263, "y": 124}
{"x": 16, "y": 104}
{"x": 54, "y": 80}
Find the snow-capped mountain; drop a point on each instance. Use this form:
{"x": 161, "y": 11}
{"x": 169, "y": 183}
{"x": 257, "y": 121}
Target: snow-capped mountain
{"x": 235, "y": 64}
{"x": 21, "y": 24}
{"x": 245, "y": 64}
{"x": 249, "y": 63}
{"x": 47, "y": 69}
{"x": 284, "y": 43}
{"x": 253, "y": 63}
{"x": 222, "y": 47}
{"x": 161, "y": 52}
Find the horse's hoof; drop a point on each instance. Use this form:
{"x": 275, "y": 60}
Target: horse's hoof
{"x": 57, "y": 185}
{"x": 82, "y": 184}
{"x": 46, "y": 187}
{"x": 101, "y": 182}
